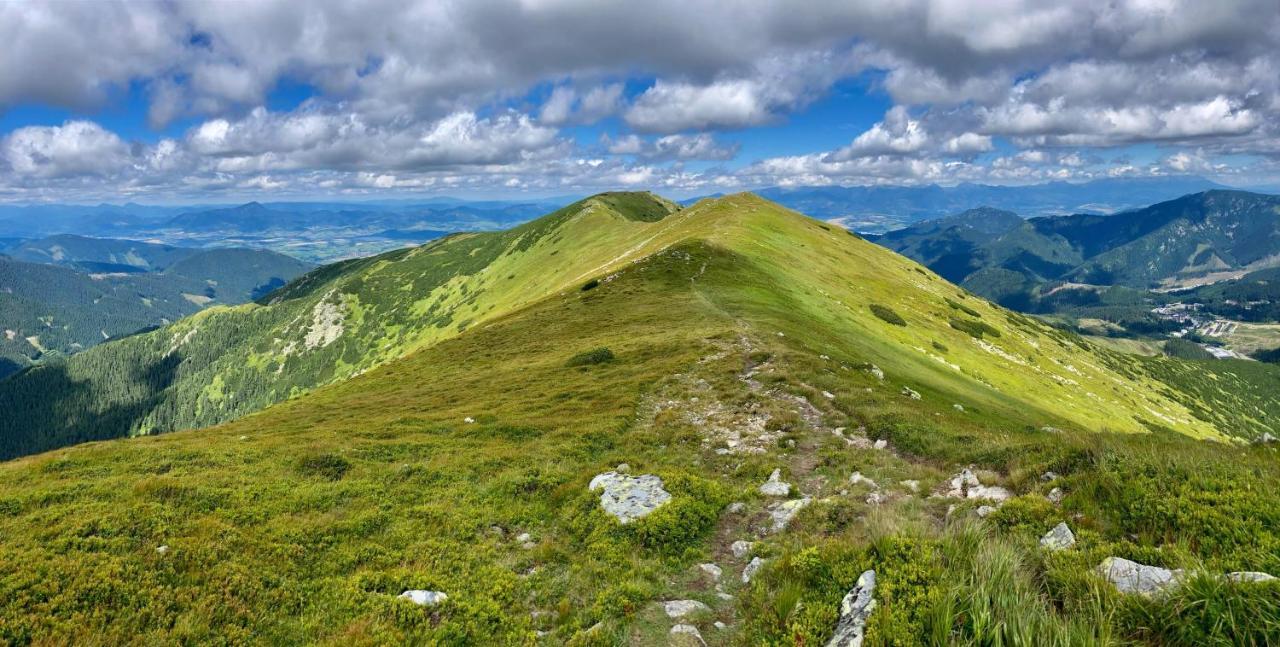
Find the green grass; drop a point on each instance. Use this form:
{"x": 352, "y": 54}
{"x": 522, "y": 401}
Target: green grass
{"x": 303, "y": 522}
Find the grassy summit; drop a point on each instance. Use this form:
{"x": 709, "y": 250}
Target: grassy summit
{"x": 459, "y": 395}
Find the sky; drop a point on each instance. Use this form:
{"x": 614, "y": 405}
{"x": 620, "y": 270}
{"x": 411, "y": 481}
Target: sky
{"x": 212, "y": 101}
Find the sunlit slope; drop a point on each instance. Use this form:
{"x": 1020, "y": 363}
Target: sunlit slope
{"x": 328, "y": 326}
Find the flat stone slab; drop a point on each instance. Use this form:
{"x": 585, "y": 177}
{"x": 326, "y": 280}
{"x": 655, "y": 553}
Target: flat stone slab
{"x": 679, "y": 609}
{"x": 1131, "y": 577}
{"x": 628, "y": 498}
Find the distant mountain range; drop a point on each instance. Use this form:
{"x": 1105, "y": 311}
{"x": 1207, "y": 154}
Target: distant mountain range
{"x": 879, "y": 209}
{"x": 63, "y": 294}
{"x": 1195, "y": 239}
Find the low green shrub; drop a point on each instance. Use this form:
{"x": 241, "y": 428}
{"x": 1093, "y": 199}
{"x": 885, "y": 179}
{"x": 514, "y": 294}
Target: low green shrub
{"x": 887, "y": 315}
{"x": 590, "y": 357}
{"x": 328, "y": 466}
{"x": 975, "y": 329}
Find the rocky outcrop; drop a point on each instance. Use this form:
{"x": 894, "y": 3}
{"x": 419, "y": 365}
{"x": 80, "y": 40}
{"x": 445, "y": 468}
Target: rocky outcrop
{"x": 1131, "y": 577}
{"x": 424, "y": 598}
{"x": 681, "y": 609}
{"x": 686, "y": 636}
{"x": 966, "y": 485}
{"x": 783, "y": 513}
{"x": 628, "y": 498}
{"x": 775, "y": 486}
{"x": 1059, "y": 537}
{"x": 855, "y": 608}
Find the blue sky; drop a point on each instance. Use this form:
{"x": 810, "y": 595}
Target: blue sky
{"x": 200, "y": 101}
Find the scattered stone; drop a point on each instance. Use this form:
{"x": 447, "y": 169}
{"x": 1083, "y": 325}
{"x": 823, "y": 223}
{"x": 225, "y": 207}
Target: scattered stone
{"x": 162, "y": 549}
{"x": 628, "y": 498}
{"x": 752, "y": 568}
{"x": 723, "y": 596}
{"x": 687, "y": 635}
{"x": 1058, "y": 538}
{"x": 780, "y": 334}
{"x": 720, "y": 625}
{"x": 713, "y": 571}
{"x": 857, "y": 478}
{"x": 1266, "y": 438}
{"x": 1050, "y": 430}
{"x": 775, "y": 486}
{"x": 424, "y": 598}
{"x": 985, "y": 511}
{"x": 880, "y": 444}
{"x": 679, "y": 609}
{"x": 469, "y": 420}
{"x": 1049, "y": 476}
{"x": 740, "y": 548}
{"x": 736, "y": 507}
{"x": 784, "y": 512}
{"x": 855, "y": 608}
{"x": 524, "y": 538}
{"x": 1055, "y": 496}
{"x": 876, "y": 498}
{"x": 875, "y": 370}
{"x": 910, "y": 484}
{"x": 1131, "y": 577}
{"x": 966, "y": 485}
{"x": 958, "y": 407}
{"x": 910, "y": 393}
{"x": 244, "y": 438}
{"x": 828, "y": 395}
{"x": 1250, "y": 576}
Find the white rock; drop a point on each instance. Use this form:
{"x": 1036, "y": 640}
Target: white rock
{"x": 1265, "y": 438}
{"x": 1250, "y": 576}
{"x": 736, "y": 507}
{"x": 162, "y": 549}
{"x": 1059, "y": 537}
{"x": 720, "y": 625}
{"x": 1131, "y": 577}
{"x": 784, "y": 512}
{"x": 910, "y": 393}
{"x": 741, "y": 548}
{"x": 713, "y": 571}
{"x": 880, "y": 444}
{"x": 469, "y": 420}
{"x": 966, "y": 485}
{"x": 775, "y": 486}
{"x": 855, "y": 608}
{"x": 1049, "y": 476}
{"x": 984, "y": 511}
{"x": 679, "y": 609}
{"x": 628, "y": 498}
{"x": 875, "y": 370}
{"x": 752, "y": 568}
{"x": 622, "y": 468}
{"x": 958, "y": 407}
{"x": 876, "y": 498}
{"x": 1055, "y": 496}
{"x": 523, "y": 537}
{"x": 828, "y": 395}
{"x": 910, "y": 484}
{"x": 684, "y": 635}
{"x": 424, "y": 598}
{"x": 857, "y": 478}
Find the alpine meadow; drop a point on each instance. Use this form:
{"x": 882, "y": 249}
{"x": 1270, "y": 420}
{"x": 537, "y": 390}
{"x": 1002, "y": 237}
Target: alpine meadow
{"x": 840, "y": 324}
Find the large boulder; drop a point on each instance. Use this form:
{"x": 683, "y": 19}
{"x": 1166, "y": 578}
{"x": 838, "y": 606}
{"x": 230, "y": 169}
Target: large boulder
{"x": 1059, "y": 537}
{"x": 856, "y": 607}
{"x": 966, "y": 485}
{"x": 775, "y": 486}
{"x": 784, "y": 512}
{"x": 681, "y": 609}
{"x": 1131, "y": 577}
{"x": 628, "y": 498}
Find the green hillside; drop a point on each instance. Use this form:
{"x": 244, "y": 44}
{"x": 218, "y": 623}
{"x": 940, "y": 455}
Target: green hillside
{"x": 48, "y": 310}
{"x": 465, "y": 400}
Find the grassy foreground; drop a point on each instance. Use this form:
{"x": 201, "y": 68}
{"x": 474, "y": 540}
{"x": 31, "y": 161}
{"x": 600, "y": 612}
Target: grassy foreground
{"x": 740, "y": 340}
